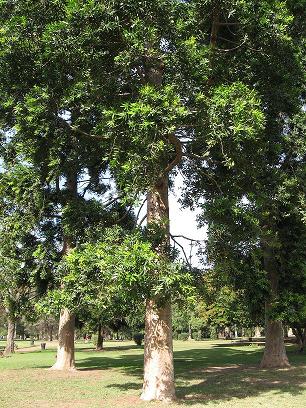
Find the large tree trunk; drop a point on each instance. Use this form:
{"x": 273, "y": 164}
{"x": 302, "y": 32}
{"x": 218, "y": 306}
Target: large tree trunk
{"x": 10, "y": 345}
{"x": 65, "y": 359}
{"x": 100, "y": 338}
{"x": 65, "y": 349}
{"x": 158, "y": 352}
{"x": 275, "y": 352}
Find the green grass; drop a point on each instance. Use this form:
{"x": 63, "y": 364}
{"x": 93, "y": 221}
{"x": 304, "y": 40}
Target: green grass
{"x": 208, "y": 374}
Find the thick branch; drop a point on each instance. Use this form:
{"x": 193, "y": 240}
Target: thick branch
{"x": 179, "y": 153}
{"x": 215, "y": 27}
{"x": 213, "y": 36}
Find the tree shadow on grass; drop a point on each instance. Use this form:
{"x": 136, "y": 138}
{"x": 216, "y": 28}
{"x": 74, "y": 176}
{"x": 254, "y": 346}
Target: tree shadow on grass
{"x": 120, "y": 348}
{"x": 224, "y": 383}
{"x": 220, "y": 374}
{"x": 131, "y": 363}
{"x": 204, "y": 375}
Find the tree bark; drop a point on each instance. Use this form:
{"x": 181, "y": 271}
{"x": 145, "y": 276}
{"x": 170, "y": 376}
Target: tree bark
{"x": 275, "y": 351}
{"x": 65, "y": 350}
{"x": 10, "y": 345}
{"x": 100, "y": 338}
{"x": 158, "y": 350}
{"x": 65, "y": 359}
{"x": 158, "y": 354}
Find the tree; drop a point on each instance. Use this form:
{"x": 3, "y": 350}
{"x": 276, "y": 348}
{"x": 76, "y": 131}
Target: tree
{"x": 129, "y": 86}
{"x": 20, "y": 273}
{"x": 47, "y": 122}
{"x": 160, "y": 107}
{"x": 244, "y": 174}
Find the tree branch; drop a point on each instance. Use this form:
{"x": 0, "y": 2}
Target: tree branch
{"x": 189, "y": 239}
{"x": 196, "y": 156}
{"x": 142, "y": 220}
{"x": 125, "y": 214}
{"x": 77, "y": 130}
{"x": 139, "y": 211}
{"x": 183, "y": 250}
{"x": 232, "y": 49}
{"x": 224, "y": 23}
{"x": 108, "y": 203}
{"x": 215, "y": 27}
{"x": 179, "y": 153}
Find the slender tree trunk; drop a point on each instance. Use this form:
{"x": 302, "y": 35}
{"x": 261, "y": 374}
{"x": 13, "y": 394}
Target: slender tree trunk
{"x": 300, "y": 335}
{"x": 189, "y": 332}
{"x": 65, "y": 349}
{"x": 275, "y": 352}
{"x": 158, "y": 351}
{"x": 65, "y": 359}
{"x": 227, "y": 333}
{"x": 290, "y": 332}
{"x": 100, "y": 338}
{"x": 257, "y": 332}
{"x": 10, "y": 345}
{"x": 51, "y": 334}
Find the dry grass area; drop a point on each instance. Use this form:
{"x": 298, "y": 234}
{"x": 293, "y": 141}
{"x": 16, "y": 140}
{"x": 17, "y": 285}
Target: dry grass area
{"x": 208, "y": 374}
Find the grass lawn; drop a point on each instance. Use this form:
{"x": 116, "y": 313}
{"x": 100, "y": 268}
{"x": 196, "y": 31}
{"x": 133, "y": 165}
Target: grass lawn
{"x": 208, "y": 374}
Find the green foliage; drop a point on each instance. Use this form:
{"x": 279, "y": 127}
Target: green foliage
{"x": 183, "y": 336}
{"x": 233, "y": 119}
{"x": 88, "y": 87}
{"x": 122, "y": 266}
{"x": 142, "y": 126}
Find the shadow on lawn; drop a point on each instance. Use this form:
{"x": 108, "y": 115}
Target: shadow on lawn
{"x": 215, "y": 374}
